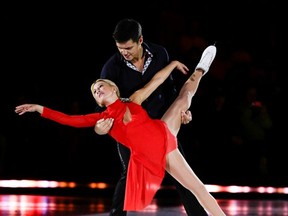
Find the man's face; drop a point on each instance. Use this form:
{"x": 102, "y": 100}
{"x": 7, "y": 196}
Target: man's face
{"x": 129, "y": 50}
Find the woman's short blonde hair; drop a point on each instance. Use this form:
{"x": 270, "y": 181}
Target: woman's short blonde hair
{"x": 109, "y": 82}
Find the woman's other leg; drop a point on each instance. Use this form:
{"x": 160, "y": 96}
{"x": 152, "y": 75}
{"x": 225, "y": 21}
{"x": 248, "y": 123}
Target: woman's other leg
{"x": 177, "y": 167}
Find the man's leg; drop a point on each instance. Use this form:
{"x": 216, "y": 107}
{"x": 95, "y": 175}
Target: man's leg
{"x": 119, "y": 193}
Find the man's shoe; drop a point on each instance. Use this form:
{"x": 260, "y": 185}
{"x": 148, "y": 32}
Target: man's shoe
{"x": 206, "y": 59}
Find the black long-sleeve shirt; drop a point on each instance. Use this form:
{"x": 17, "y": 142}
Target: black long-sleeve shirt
{"x": 129, "y": 80}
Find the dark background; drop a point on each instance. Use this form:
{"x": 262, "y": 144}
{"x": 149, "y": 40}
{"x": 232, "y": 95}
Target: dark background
{"x": 51, "y": 53}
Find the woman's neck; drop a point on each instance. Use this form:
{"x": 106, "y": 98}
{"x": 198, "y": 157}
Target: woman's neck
{"x": 110, "y": 101}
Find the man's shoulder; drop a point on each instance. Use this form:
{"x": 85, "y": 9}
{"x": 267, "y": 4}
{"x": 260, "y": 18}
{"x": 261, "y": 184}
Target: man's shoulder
{"x": 111, "y": 66}
{"x": 159, "y": 52}
{"x": 154, "y": 46}
{"x": 116, "y": 57}
{"x": 114, "y": 60}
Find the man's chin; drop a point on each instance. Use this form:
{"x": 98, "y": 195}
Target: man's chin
{"x": 127, "y": 58}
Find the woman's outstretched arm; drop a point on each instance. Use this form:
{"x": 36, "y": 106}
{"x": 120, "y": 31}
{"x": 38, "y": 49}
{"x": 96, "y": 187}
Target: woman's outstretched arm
{"x": 142, "y": 94}
{"x": 79, "y": 121}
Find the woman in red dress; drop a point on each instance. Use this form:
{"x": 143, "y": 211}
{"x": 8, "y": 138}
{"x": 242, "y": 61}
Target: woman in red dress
{"x": 132, "y": 127}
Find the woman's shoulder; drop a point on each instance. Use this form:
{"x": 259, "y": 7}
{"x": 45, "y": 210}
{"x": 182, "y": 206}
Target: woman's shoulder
{"x": 130, "y": 102}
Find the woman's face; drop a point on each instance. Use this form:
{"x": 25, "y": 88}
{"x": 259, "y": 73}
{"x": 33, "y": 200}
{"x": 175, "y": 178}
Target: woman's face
{"x": 102, "y": 92}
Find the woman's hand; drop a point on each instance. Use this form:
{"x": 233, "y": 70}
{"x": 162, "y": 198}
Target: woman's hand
{"x": 181, "y": 67}
{"x": 21, "y": 109}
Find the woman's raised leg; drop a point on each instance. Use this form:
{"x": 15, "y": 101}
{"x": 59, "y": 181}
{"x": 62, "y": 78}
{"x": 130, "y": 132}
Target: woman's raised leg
{"x": 172, "y": 116}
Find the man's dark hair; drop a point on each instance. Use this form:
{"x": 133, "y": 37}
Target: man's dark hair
{"x": 127, "y": 29}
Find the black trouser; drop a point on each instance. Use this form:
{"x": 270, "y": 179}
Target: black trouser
{"x": 189, "y": 201}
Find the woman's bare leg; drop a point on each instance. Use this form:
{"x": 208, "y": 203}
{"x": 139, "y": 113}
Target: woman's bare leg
{"x": 177, "y": 167}
{"x": 172, "y": 116}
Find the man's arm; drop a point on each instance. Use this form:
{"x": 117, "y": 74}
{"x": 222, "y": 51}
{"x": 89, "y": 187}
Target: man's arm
{"x": 103, "y": 126}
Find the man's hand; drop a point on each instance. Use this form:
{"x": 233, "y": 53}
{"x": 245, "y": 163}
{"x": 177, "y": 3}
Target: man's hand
{"x": 103, "y": 126}
{"x": 186, "y": 117}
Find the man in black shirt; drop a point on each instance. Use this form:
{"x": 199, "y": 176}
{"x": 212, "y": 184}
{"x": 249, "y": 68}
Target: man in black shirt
{"x": 131, "y": 68}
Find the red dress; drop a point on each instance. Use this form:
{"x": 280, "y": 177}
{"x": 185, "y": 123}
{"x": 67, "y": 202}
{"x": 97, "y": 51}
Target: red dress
{"x": 149, "y": 140}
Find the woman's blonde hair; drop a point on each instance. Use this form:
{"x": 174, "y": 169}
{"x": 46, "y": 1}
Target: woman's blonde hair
{"x": 109, "y": 82}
